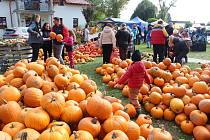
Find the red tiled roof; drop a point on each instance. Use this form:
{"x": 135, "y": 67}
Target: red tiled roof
{"x": 76, "y": 2}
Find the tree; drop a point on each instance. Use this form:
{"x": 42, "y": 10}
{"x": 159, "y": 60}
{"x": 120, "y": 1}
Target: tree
{"x": 150, "y": 20}
{"x": 165, "y": 6}
{"x": 188, "y": 24}
{"x": 113, "y": 7}
{"x": 145, "y": 10}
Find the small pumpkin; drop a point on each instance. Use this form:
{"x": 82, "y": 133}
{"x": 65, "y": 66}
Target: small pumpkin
{"x": 188, "y": 108}
{"x": 76, "y": 94}
{"x": 19, "y": 71}
{"x": 9, "y": 93}
{"x": 187, "y": 126}
{"x": 169, "y": 115}
{"x": 156, "y": 112}
{"x": 77, "y": 78}
{"x": 180, "y": 117}
{"x": 88, "y": 86}
{"x": 130, "y": 109}
{"x": 27, "y": 134}
{"x": 34, "y": 81}
{"x": 38, "y": 68}
{"x": 60, "y": 124}
{"x": 159, "y": 134}
{"x": 145, "y": 130}
{"x": 143, "y": 119}
{"x": 176, "y": 105}
{"x": 21, "y": 116}
{"x": 32, "y": 97}
{"x": 155, "y": 98}
{"x": 123, "y": 114}
{"x": 61, "y": 81}
{"x": 133, "y": 131}
{"x": 204, "y": 106}
{"x": 200, "y": 87}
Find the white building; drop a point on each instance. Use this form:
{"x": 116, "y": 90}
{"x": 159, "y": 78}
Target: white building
{"x": 18, "y": 13}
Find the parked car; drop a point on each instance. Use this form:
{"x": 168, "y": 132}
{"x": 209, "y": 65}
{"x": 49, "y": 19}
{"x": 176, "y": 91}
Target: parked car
{"x": 13, "y": 33}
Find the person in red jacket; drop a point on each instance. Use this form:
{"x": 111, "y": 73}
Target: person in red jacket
{"x": 158, "y": 40}
{"x": 135, "y": 76}
{"x": 59, "y": 28}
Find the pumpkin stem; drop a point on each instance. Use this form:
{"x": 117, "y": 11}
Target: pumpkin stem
{"x": 12, "y": 125}
{"x": 75, "y": 135}
{"x": 94, "y": 120}
{"x": 114, "y": 136}
{"x": 23, "y": 136}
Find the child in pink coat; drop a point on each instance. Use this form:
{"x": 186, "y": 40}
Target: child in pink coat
{"x": 69, "y": 48}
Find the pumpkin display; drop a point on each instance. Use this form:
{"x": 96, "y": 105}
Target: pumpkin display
{"x": 53, "y": 103}
{"x": 81, "y": 135}
{"x": 12, "y": 128}
{"x": 9, "y": 112}
{"x": 91, "y": 125}
{"x": 198, "y": 117}
{"x": 115, "y": 123}
{"x": 159, "y": 134}
{"x": 94, "y": 106}
{"x": 27, "y": 134}
{"x": 37, "y": 119}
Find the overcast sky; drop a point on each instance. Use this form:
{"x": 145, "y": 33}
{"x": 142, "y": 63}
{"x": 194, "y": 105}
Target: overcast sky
{"x": 193, "y": 10}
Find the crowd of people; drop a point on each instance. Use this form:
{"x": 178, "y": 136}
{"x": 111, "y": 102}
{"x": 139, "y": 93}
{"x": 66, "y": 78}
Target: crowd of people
{"x": 165, "y": 41}
{"x": 40, "y": 38}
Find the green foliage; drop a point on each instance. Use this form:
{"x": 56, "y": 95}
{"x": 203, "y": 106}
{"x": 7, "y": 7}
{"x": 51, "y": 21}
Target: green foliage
{"x": 165, "y": 6}
{"x": 188, "y": 24}
{"x": 145, "y": 10}
{"x": 150, "y": 20}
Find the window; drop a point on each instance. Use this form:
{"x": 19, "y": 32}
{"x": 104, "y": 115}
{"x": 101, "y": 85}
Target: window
{"x": 61, "y": 3}
{"x": 3, "y": 23}
{"x": 75, "y": 22}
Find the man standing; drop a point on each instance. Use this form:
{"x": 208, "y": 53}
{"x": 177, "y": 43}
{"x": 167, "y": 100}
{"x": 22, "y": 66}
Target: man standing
{"x": 123, "y": 40}
{"x": 59, "y": 28}
{"x": 158, "y": 40}
{"x": 169, "y": 29}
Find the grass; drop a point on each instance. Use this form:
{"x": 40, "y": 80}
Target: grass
{"x": 197, "y": 55}
{"x": 89, "y": 69}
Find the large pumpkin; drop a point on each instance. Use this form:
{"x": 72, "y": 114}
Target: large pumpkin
{"x": 61, "y": 81}
{"x": 21, "y": 116}
{"x": 19, "y": 71}
{"x": 115, "y": 123}
{"x": 92, "y": 125}
{"x": 27, "y": 134}
{"x": 187, "y": 126}
{"x": 159, "y": 134}
{"x": 198, "y": 117}
{"x": 88, "y": 86}
{"x": 81, "y": 135}
{"x": 133, "y": 131}
{"x": 130, "y": 109}
{"x": 200, "y": 87}
{"x": 52, "y": 71}
{"x": 28, "y": 74}
{"x": 177, "y": 105}
{"x": 201, "y": 133}
{"x": 53, "y": 103}
{"x": 116, "y": 135}
{"x": 37, "y": 119}
{"x": 76, "y": 94}
{"x": 95, "y": 105}
{"x": 17, "y": 82}
{"x": 204, "y": 105}
{"x": 9, "y": 112}
{"x": 9, "y": 93}
{"x": 77, "y": 78}
{"x": 32, "y": 97}
{"x": 38, "y": 68}
{"x": 13, "y": 127}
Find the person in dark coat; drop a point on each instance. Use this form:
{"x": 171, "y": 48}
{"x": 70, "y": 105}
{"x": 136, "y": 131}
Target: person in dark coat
{"x": 169, "y": 29}
{"x": 47, "y": 44}
{"x": 35, "y": 38}
{"x": 123, "y": 39}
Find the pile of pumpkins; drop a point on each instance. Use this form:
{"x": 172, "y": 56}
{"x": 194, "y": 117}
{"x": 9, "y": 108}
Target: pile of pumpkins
{"x": 90, "y": 48}
{"x": 50, "y": 101}
{"x": 177, "y": 93}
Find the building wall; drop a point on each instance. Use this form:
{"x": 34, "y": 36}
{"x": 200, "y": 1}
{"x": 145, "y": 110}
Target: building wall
{"x": 4, "y": 12}
{"x": 68, "y": 12}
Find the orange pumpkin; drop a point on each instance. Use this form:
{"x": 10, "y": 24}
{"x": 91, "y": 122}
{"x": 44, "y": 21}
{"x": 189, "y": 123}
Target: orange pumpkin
{"x": 52, "y": 35}
{"x": 88, "y": 86}
{"x": 38, "y": 68}
{"x": 61, "y": 81}
{"x": 130, "y": 109}
{"x": 204, "y": 106}
{"x": 179, "y": 118}
{"x": 116, "y": 135}
{"x": 59, "y": 37}
{"x": 156, "y": 112}
{"x": 76, "y": 94}
{"x": 145, "y": 130}
{"x": 159, "y": 134}
{"x": 19, "y": 71}
{"x": 91, "y": 125}
{"x": 197, "y": 98}
{"x": 32, "y": 97}
{"x": 169, "y": 115}
{"x": 177, "y": 105}
{"x": 159, "y": 81}
{"x": 166, "y": 98}
{"x": 34, "y": 81}
{"x": 167, "y": 61}
{"x": 115, "y": 123}
{"x": 155, "y": 98}
{"x": 9, "y": 93}
{"x": 117, "y": 106}
{"x": 21, "y": 116}
{"x": 188, "y": 108}
{"x": 201, "y": 133}
{"x": 162, "y": 66}
{"x": 200, "y": 87}
{"x": 148, "y": 106}
{"x": 53, "y": 103}
{"x": 37, "y": 119}
{"x": 17, "y": 82}
{"x": 123, "y": 114}
{"x": 60, "y": 124}
{"x": 81, "y": 135}
{"x": 198, "y": 117}
{"x": 12, "y": 128}
{"x": 187, "y": 126}
{"x": 9, "y": 112}
{"x": 133, "y": 131}
{"x": 143, "y": 119}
